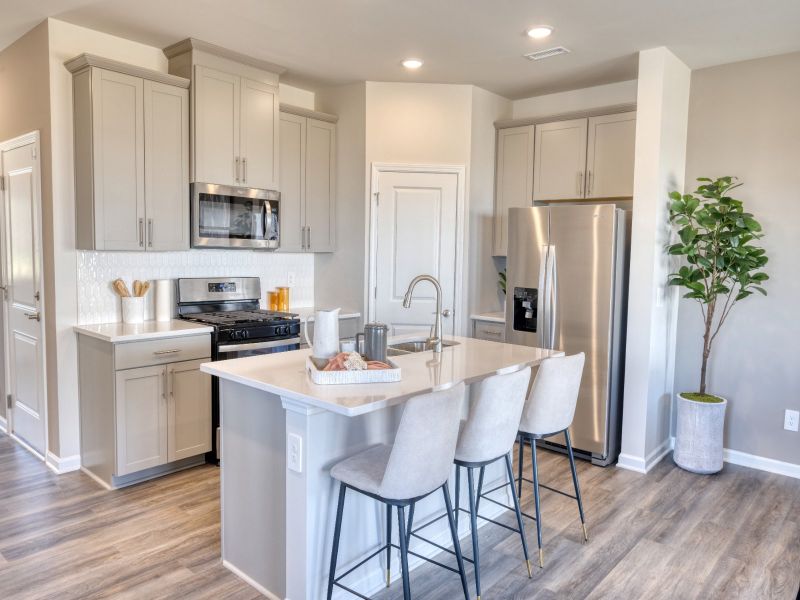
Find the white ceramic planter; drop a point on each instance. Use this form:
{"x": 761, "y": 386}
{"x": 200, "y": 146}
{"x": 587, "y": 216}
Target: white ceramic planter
{"x": 698, "y": 437}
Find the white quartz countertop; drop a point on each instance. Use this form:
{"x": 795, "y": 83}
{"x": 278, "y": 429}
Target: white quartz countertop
{"x": 307, "y": 314}
{"x": 470, "y": 360}
{"x": 492, "y": 317}
{"x": 149, "y": 330}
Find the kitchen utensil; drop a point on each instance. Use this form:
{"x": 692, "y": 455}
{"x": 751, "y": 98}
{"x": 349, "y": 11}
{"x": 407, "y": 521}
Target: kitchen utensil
{"x": 283, "y": 299}
{"x": 121, "y": 289}
{"x": 326, "y": 333}
{"x": 164, "y": 302}
{"x": 376, "y": 338}
{"x": 133, "y": 309}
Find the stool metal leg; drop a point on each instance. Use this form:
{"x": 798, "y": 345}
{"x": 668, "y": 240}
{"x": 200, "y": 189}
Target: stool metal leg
{"x": 473, "y": 515}
{"x": 519, "y": 466}
{"x": 401, "y": 522}
{"x": 388, "y": 545}
{"x": 336, "y": 533}
{"x": 480, "y": 489}
{"x": 510, "y": 472}
{"x": 456, "y": 543}
{"x": 575, "y": 483}
{"x": 536, "y": 501}
{"x": 458, "y": 493}
{"x": 410, "y": 523}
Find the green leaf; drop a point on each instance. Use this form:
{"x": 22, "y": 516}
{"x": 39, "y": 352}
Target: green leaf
{"x": 675, "y": 195}
{"x": 752, "y": 224}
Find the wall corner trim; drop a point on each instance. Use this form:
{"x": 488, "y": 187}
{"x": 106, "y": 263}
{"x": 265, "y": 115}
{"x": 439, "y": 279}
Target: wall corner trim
{"x": 66, "y": 464}
{"x": 646, "y": 464}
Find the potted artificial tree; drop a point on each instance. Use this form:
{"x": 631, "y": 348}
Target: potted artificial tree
{"x": 722, "y": 266}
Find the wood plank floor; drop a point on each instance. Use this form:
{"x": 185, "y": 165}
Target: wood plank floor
{"x": 670, "y": 534}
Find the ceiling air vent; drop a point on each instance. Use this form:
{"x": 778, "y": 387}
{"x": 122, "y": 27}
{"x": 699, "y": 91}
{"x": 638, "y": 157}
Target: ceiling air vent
{"x": 542, "y": 54}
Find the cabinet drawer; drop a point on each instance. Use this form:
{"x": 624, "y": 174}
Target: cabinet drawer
{"x": 161, "y": 351}
{"x": 487, "y": 330}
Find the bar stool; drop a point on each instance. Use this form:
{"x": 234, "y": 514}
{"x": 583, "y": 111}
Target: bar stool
{"x": 415, "y": 466}
{"x": 549, "y": 411}
{"x": 488, "y": 436}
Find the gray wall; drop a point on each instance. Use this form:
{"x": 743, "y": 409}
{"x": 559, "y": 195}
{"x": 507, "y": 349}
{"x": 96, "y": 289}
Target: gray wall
{"x": 744, "y": 120}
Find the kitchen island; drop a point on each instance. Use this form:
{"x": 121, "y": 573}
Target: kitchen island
{"x": 281, "y": 434}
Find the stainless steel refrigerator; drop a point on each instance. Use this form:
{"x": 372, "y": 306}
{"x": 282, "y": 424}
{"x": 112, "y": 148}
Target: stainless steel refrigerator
{"x": 566, "y": 289}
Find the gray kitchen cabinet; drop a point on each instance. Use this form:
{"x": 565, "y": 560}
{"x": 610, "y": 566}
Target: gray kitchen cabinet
{"x": 610, "y": 155}
{"x": 131, "y": 156}
{"x": 559, "y": 167}
{"x": 488, "y": 330}
{"x": 514, "y": 179}
{"x": 308, "y": 181}
{"x": 259, "y": 135}
{"x": 216, "y": 102}
{"x": 145, "y": 406}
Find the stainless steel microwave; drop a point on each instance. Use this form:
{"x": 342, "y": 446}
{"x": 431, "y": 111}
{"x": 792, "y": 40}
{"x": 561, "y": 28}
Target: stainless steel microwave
{"x": 235, "y": 217}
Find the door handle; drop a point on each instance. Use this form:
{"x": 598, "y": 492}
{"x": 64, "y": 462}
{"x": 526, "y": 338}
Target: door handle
{"x": 308, "y": 230}
{"x": 589, "y": 184}
{"x": 236, "y": 162}
{"x": 244, "y": 170}
{"x": 149, "y": 233}
{"x": 141, "y": 233}
{"x": 33, "y": 316}
{"x": 447, "y": 312}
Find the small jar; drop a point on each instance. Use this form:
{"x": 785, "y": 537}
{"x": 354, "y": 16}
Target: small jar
{"x": 272, "y": 300}
{"x": 283, "y": 299}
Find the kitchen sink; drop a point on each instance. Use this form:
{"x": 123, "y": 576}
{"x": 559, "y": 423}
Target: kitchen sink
{"x": 414, "y": 346}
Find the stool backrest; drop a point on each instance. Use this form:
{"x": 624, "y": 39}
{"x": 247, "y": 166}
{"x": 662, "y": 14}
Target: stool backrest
{"x": 551, "y": 406}
{"x": 425, "y": 445}
{"x": 494, "y": 416}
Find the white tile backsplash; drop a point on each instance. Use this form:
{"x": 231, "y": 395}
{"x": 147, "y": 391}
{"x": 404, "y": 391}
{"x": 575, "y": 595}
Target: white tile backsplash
{"x": 97, "y": 302}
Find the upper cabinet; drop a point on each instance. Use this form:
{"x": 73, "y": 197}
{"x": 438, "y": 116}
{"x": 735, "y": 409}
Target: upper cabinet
{"x": 560, "y": 160}
{"x": 513, "y": 179}
{"x": 308, "y": 182}
{"x": 131, "y": 135}
{"x": 235, "y": 116}
{"x": 610, "y": 156}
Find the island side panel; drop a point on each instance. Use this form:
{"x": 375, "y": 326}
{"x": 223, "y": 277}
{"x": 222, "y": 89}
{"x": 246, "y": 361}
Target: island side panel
{"x": 253, "y": 487}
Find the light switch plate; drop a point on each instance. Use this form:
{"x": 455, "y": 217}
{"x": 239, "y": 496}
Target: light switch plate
{"x": 791, "y": 420}
{"x": 291, "y": 279}
{"x": 294, "y": 453}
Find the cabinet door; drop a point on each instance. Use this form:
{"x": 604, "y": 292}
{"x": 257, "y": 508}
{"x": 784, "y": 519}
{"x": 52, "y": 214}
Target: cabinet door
{"x": 610, "y": 156}
{"x": 259, "y": 135}
{"x": 118, "y": 160}
{"x": 141, "y": 419}
{"x": 320, "y": 185}
{"x": 216, "y": 127}
{"x": 514, "y": 179}
{"x": 560, "y": 160}
{"x": 166, "y": 157}
{"x": 293, "y": 182}
{"x": 489, "y": 330}
{"x": 189, "y": 402}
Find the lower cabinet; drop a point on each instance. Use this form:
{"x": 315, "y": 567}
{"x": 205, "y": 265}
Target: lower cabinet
{"x": 489, "y": 330}
{"x": 188, "y": 410}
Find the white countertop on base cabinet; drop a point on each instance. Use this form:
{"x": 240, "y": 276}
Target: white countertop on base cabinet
{"x": 135, "y": 332}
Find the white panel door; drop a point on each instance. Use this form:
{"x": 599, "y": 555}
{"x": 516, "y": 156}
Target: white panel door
{"x": 118, "y": 160}
{"x": 610, "y": 156}
{"x": 23, "y": 267}
{"x": 259, "y": 135}
{"x": 415, "y": 234}
{"x": 166, "y": 155}
{"x": 189, "y": 409}
{"x": 514, "y": 179}
{"x": 141, "y": 414}
{"x": 216, "y": 127}
{"x": 293, "y": 182}
{"x": 320, "y": 185}
{"x": 560, "y": 160}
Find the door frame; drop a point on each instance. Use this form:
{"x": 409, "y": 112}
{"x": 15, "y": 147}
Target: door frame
{"x": 34, "y": 138}
{"x": 460, "y": 319}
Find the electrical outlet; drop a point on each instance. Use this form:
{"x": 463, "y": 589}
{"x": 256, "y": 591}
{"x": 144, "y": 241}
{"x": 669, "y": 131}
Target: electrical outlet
{"x": 791, "y": 420}
{"x": 294, "y": 451}
{"x": 290, "y": 278}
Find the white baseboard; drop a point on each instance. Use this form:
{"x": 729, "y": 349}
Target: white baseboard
{"x": 260, "y": 588}
{"x": 735, "y": 457}
{"x": 64, "y": 464}
{"x": 3, "y": 425}
{"x": 644, "y": 465}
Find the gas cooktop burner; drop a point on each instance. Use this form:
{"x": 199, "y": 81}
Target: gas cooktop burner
{"x": 240, "y": 317}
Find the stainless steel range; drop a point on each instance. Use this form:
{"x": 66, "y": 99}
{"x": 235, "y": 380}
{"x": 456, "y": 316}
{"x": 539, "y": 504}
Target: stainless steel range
{"x": 231, "y": 306}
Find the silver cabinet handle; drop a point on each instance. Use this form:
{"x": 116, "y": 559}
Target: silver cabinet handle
{"x": 589, "y": 184}
{"x": 141, "y": 233}
{"x": 164, "y": 352}
{"x": 305, "y": 243}
{"x": 244, "y": 170}
{"x": 308, "y": 230}
{"x": 490, "y": 332}
{"x": 149, "y": 233}
{"x": 236, "y": 176}
{"x": 447, "y": 312}
{"x": 580, "y": 184}
{"x": 164, "y": 388}
{"x": 33, "y": 316}
{"x": 171, "y": 381}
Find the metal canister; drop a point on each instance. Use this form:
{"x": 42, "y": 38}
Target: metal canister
{"x": 376, "y": 338}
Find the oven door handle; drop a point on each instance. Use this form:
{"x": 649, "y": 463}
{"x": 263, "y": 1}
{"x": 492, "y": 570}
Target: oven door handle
{"x": 258, "y": 345}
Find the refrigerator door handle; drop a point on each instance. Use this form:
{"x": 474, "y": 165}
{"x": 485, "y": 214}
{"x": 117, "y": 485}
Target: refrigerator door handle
{"x": 552, "y": 292}
{"x": 541, "y": 297}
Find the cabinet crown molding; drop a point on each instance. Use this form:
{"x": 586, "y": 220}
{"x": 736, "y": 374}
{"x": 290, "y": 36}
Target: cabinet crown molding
{"x": 190, "y": 44}
{"x": 307, "y": 112}
{"x": 85, "y": 60}
{"x": 568, "y": 116}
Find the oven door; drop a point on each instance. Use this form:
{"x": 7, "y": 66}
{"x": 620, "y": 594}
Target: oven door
{"x": 233, "y": 217}
{"x": 227, "y": 351}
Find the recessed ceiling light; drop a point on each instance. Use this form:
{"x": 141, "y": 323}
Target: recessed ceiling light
{"x": 412, "y": 63}
{"x": 540, "y": 32}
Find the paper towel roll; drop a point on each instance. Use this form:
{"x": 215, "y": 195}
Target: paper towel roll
{"x": 164, "y": 304}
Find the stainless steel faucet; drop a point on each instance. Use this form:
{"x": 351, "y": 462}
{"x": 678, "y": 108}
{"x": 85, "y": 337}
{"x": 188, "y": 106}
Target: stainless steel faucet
{"x": 435, "y": 339}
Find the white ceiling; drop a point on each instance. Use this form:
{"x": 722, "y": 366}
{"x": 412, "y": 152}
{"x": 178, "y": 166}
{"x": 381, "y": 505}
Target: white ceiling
{"x": 462, "y": 41}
